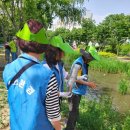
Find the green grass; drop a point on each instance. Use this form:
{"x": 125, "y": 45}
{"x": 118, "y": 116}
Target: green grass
{"x": 99, "y": 115}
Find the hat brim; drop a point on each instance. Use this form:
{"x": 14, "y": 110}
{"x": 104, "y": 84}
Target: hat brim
{"x": 65, "y": 47}
{"x": 93, "y": 52}
{"x": 39, "y": 37}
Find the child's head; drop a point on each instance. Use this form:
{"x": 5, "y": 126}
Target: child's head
{"x": 31, "y": 44}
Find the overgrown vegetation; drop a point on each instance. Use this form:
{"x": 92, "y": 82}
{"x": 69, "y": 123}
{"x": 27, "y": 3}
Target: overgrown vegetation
{"x": 110, "y": 65}
{"x": 123, "y": 86}
{"x": 99, "y": 115}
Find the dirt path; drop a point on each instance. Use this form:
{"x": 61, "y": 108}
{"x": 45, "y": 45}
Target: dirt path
{"x": 124, "y": 59}
{"x": 6, "y": 128}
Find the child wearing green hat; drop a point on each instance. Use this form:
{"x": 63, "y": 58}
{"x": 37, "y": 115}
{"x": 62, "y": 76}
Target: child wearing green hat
{"x": 13, "y": 49}
{"x": 53, "y": 60}
{"x": 77, "y": 85}
{"x": 32, "y": 88}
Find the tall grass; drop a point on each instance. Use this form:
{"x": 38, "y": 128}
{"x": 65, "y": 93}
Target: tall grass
{"x": 105, "y": 64}
{"x": 110, "y": 65}
{"x": 123, "y": 86}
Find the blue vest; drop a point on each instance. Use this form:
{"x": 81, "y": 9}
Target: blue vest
{"x": 26, "y": 96}
{"x": 59, "y": 75}
{"x": 82, "y": 89}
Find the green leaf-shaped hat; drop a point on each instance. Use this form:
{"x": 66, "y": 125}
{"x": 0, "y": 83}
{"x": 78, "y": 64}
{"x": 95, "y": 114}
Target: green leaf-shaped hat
{"x": 25, "y": 34}
{"x": 57, "y": 41}
{"x": 93, "y": 52}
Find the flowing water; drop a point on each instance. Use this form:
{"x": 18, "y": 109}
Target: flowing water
{"x": 108, "y": 84}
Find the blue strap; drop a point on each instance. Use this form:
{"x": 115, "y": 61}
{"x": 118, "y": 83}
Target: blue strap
{"x": 21, "y": 71}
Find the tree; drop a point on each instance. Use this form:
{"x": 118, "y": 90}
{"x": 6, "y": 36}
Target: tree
{"x": 16, "y": 12}
{"x": 89, "y": 30}
{"x": 113, "y": 29}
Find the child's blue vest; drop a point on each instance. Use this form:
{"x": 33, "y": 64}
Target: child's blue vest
{"x": 26, "y": 96}
{"x": 59, "y": 74}
{"x": 79, "y": 88}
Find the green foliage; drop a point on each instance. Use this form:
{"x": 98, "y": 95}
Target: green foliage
{"x": 107, "y": 54}
{"x": 108, "y": 48}
{"x": 126, "y": 125}
{"x": 123, "y": 86}
{"x": 2, "y": 86}
{"x": 110, "y": 65}
{"x": 64, "y": 108}
{"x": 124, "y": 49}
{"x": 98, "y": 115}
{"x": 63, "y": 32}
{"x": 83, "y": 46}
{"x": 128, "y": 74}
{"x": 69, "y": 59}
{"x": 89, "y": 30}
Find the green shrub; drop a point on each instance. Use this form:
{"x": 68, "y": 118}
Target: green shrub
{"x": 107, "y": 54}
{"x": 124, "y": 49}
{"x": 126, "y": 125}
{"x": 128, "y": 73}
{"x": 123, "y": 86}
{"x": 98, "y": 115}
{"x": 108, "y": 48}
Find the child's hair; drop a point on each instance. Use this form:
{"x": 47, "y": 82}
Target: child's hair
{"x": 30, "y": 46}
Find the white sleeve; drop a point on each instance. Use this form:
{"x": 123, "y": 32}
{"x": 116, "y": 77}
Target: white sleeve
{"x": 73, "y": 75}
{"x": 65, "y": 73}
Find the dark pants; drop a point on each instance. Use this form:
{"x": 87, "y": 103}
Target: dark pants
{"x": 14, "y": 56}
{"x": 7, "y": 55}
{"x": 74, "y": 102}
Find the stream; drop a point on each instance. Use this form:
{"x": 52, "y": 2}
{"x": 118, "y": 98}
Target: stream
{"x": 108, "y": 84}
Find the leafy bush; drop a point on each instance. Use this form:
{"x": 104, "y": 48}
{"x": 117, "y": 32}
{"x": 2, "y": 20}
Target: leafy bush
{"x": 107, "y": 54}
{"x": 98, "y": 116}
{"x": 123, "y": 86}
{"x": 108, "y": 48}
{"x": 126, "y": 125}
{"x": 128, "y": 73}
{"x": 124, "y": 49}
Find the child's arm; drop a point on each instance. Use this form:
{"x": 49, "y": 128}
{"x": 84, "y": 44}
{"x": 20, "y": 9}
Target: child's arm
{"x": 73, "y": 76}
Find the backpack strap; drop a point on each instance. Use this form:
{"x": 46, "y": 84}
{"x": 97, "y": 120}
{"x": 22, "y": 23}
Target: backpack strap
{"x": 21, "y": 71}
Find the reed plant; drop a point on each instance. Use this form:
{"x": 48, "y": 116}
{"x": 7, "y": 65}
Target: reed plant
{"x": 110, "y": 65}
{"x": 123, "y": 86}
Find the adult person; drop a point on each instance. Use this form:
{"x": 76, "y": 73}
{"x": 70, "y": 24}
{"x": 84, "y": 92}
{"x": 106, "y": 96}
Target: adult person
{"x": 14, "y": 49}
{"x": 7, "y": 52}
{"x": 33, "y": 94}
{"x": 53, "y": 59}
{"x": 79, "y": 86}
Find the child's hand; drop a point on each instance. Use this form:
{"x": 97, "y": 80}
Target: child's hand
{"x": 91, "y": 84}
{"x": 65, "y": 94}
